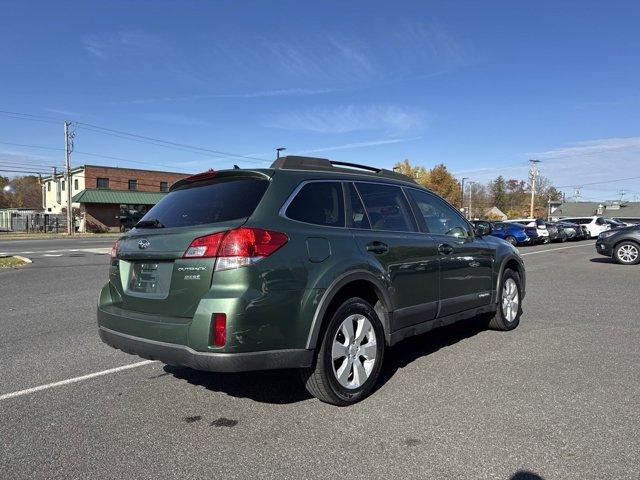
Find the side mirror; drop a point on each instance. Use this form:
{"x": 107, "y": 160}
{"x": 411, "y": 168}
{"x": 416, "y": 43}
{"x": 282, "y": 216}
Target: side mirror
{"x": 482, "y": 230}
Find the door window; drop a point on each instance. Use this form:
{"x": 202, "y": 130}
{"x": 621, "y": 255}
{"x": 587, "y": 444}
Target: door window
{"x": 439, "y": 217}
{"x": 321, "y": 203}
{"x": 387, "y": 207}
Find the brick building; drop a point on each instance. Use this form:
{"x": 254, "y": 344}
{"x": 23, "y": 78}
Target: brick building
{"x": 107, "y": 198}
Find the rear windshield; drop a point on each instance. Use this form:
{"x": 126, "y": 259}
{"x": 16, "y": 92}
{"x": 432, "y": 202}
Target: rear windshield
{"x": 218, "y": 201}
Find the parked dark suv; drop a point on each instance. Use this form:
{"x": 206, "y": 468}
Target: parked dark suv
{"x": 622, "y": 244}
{"x": 309, "y": 264}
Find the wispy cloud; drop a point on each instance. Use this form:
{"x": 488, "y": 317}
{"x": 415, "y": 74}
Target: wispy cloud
{"x": 366, "y": 143}
{"x": 178, "y": 120}
{"x": 104, "y": 47}
{"x": 58, "y": 111}
{"x": 288, "y": 92}
{"x": 95, "y": 48}
{"x": 601, "y": 147}
{"x": 393, "y": 119}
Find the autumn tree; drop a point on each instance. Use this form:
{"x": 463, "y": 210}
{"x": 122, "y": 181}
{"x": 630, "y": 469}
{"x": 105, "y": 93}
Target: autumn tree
{"x": 442, "y": 182}
{"x": 26, "y": 192}
{"x": 418, "y": 173}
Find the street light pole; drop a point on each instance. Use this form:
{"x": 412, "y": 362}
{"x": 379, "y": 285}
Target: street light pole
{"x": 462, "y": 201}
{"x": 534, "y": 174}
{"x": 470, "y": 199}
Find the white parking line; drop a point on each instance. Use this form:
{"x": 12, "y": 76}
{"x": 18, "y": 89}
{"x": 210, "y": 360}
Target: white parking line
{"x": 559, "y": 248}
{"x": 19, "y": 393}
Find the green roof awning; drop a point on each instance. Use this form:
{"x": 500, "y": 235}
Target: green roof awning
{"x": 130, "y": 197}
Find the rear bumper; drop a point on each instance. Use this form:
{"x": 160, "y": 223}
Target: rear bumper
{"x": 181, "y": 355}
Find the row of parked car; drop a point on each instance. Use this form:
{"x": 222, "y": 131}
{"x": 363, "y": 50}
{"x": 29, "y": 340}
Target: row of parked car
{"x": 532, "y": 231}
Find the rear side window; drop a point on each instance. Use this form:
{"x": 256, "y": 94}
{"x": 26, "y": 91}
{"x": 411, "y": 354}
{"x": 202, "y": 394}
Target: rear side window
{"x": 320, "y": 203}
{"x": 358, "y": 214}
{"x": 218, "y": 201}
{"x": 387, "y": 207}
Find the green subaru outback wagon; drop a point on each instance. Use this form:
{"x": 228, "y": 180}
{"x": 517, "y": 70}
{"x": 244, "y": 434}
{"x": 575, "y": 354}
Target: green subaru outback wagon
{"x": 310, "y": 264}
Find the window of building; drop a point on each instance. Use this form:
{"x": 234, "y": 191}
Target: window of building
{"x": 75, "y": 183}
{"x": 62, "y": 185}
{"x": 133, "y": 184}
{"x": 48, "y": 186}
{"x": 102, "y": 183}
{"x": 321, "y": 203}
{"x": 164, "y": 187}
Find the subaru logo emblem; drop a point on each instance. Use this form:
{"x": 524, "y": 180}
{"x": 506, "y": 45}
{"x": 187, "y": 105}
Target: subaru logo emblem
{"x": 144, "y": 243}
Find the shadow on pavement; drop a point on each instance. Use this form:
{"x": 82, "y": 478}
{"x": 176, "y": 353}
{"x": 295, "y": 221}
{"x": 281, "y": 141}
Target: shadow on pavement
{"x": 525, "y": 475}
{"x": 405, "y": 352}
{"x": 269, "y": 386}
{"x": 601, "y": 260}
{"x": 285, "y": 386}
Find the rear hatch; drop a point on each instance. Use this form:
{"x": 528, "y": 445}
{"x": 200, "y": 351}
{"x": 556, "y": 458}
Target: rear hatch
{"x": 150, "y": 272}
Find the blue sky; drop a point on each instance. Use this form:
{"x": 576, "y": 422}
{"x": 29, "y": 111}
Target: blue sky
{"x": 479, "y": 86}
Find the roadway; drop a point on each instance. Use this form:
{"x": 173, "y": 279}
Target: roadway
{"x": 557, "y": 397}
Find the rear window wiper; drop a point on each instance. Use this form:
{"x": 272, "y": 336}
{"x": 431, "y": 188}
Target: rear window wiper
{"x": 152, "y": 223}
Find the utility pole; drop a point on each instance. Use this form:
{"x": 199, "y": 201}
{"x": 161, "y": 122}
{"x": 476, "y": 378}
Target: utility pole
{"x": 68, "y": 148}
{"x": 278, "y": 150}
{"x": 576, "y": 194}
{"x": 534, "y": 174}
{"x": 622, "y": 194}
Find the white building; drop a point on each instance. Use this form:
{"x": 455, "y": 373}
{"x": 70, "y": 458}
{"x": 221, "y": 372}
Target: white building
{"x": 54, "y": 190}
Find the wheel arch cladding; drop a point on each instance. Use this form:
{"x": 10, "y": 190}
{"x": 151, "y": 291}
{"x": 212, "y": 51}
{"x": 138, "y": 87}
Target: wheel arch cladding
{"x": 512, "y": 263}
{"x": 357, "y": 284}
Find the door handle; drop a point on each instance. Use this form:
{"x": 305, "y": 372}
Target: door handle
{"x": 445, "y": 249}
{"x": 377, "y": 247}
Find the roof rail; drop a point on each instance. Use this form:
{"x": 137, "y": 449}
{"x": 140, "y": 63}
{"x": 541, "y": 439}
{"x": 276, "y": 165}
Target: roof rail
{"x": 294, "y": 162}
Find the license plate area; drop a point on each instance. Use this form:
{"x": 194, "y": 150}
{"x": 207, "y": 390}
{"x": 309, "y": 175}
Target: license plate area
{"x": 149, "y": 279}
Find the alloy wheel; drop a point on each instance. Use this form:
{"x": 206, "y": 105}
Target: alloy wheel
{"x": 628, "y": 253}
{"x": 354, "y": 351}
{"x": 510, "y": 300}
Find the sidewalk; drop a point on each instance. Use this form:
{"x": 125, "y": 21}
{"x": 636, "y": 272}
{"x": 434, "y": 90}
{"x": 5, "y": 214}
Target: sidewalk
{"x": 42, "y": 236}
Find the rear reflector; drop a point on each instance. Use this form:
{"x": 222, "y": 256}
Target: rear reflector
{"x": 219, "y": 330}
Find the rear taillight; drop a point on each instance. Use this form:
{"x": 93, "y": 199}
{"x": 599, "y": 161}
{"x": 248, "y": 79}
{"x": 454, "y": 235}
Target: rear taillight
{"x": 219, "y": 330}
{"x": 237, "y": 248}
{"x": 204, "y": 247}
{"x": 114, "y": 250}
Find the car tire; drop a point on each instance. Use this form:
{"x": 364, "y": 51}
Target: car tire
{"x": 627, "y": 253}
{"x": 507, "y": 316}
{"x": 348, "y": 361}
{"x": 511, "y": 239}
{"x": 564, "y": 238}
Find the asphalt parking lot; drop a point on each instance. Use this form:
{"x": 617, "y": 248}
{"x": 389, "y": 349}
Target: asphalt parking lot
{"x": 557, "y": 398}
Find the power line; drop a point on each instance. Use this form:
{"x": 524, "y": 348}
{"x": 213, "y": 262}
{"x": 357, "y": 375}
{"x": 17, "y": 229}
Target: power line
{"x": 599, "y": 183}
{"x": 87, "y": 154}
{"x": 135, "y": 137}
